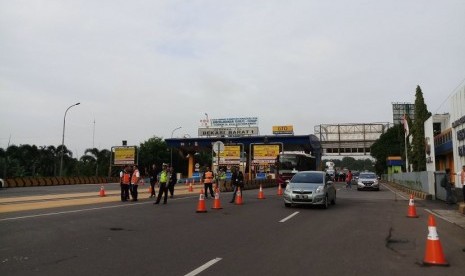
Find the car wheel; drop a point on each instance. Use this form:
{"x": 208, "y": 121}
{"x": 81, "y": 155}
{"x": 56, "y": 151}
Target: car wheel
{"x": 287, "y": 204}
{"x": 326, "y": 203}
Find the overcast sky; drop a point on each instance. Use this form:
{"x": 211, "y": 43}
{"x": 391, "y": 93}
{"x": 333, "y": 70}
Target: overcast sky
{"x": 143, "y": 68}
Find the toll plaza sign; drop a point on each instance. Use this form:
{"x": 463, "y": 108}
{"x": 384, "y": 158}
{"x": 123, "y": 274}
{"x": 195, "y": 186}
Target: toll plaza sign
{"x": 230, "y": 155}
{"x": 283, "y": 129}
{"x": 229, "y": 122}
{"x": 265, "y": 154}
{"x": 228, "y": 132}
{"x": 124, "y": 155}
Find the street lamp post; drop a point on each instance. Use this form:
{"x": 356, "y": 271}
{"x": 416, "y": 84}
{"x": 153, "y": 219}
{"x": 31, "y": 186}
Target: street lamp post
{"x": 63, "y": 138}
{"x": 171, "y": 150}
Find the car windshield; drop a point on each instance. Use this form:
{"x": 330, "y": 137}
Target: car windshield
{"x": 306, "y": 177}
{"x": 367, "y": 175}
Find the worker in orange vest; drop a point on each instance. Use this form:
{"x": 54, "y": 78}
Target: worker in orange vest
{"x": 134, "y": 182}
{"x": 208, "y": 182}
{"x": 125, "y": 181}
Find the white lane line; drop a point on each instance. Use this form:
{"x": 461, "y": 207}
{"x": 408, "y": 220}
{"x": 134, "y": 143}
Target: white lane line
{"x": 128, "y": 204}
{"x": 203, "y": 267}
{"x": 289, "y": 217}
{"x": 385, "y": 186}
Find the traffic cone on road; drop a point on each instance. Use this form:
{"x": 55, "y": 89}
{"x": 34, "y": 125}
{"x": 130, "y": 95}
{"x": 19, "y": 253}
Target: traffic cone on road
{"x": 433, "y": 253}
{"x": 412, "y": 211}
{"x": 150, "y": 190}
{"x": 201, "y": 205}
{"x": 238, "y": 200}
{"x": 216, "y": 202}
{"x": 280, "y": 190}
{"x": 102, "y": 191}
{"x": 261, "y": 195}
{"x": 191, "y": 189}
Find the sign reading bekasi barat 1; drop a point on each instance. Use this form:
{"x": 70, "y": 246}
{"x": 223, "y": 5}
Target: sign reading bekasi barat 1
{"x": 228, "y": 132}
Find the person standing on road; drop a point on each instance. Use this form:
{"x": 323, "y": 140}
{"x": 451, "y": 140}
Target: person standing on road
{"x": 447, "y": 185}
{"x": 349, "y": 179}
{"x": 172, "y": 181}
{"x": 221, "y": 178}
{"x": 134, "y": 182}
{"x": 125, "y": 180}
{"x": 163, "y": 182}
{"x": 237, "y": 180}
{"x": 208, "y": 182}
{"x": 462, "y": 181}
{"x": 153, "y": 179}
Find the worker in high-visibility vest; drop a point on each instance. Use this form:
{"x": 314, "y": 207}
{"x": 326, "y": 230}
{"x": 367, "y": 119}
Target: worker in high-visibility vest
{"x": 125, "y": 181}
{"x": 208, "y": 182}
{"x": 221, "y": 178}
{"x": 163, "y": 182}
{"x": 134, "y": 182}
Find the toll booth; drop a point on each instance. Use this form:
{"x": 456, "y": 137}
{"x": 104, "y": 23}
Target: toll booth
{"x": 189, "y": 147}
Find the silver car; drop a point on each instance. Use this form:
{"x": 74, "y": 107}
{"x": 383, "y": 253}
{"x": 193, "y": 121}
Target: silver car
{"x": 367, "y": 180}
{"x": 310, "y": 188}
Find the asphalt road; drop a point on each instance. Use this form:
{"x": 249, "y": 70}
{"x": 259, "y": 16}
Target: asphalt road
{"x": 365, "y": 233}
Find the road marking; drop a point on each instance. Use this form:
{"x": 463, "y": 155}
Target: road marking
{"x": 289, "y": 217}
{"x": 385, "y": 186}
{"x": 126, "y": 204}
{"x": 203, "y": 267}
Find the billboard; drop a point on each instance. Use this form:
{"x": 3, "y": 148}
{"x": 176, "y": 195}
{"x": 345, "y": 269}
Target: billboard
{"x": 283, "y": 129}
{"x": 229, "y": 122}
{"x": 265, "y": 154}
{"x": 124, "y": 155}
{"x": 230, "y": 155}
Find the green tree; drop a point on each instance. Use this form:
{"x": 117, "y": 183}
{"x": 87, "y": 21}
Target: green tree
{"x": 153, "y": 151}
{"x": 390, "y": 143}
{"x": 418, "y": 156}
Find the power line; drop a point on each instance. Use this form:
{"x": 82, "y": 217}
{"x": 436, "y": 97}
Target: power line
{"x": 452, "y": 92}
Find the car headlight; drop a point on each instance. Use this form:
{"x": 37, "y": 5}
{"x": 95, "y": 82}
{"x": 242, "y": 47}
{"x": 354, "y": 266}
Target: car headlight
{"x": 288, "y": 189}
{"x": 320, "y": 190}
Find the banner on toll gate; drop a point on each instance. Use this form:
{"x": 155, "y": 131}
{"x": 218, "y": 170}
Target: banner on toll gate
{"x": 283, "y": 129}
{"x": 265, "y": 154}
{"x": 228, "y": 132}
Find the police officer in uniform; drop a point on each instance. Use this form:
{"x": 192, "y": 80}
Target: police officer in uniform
{"x": 163, "y": 182}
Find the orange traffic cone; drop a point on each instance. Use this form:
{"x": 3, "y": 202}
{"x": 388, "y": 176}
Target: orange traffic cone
{"x": 150, "y": 190}
{"x": 261, "y": 195}
{"x": 433, "y": 254}
{"x": 412, "y": 211}
{"x": 201, "y": 206}
{"x": 216, "y": 202}
{"x": 280, "y": 190}
{"x": 238, "y": 200}
{"x": 191, "y": 189}
{"x": 102, "y": 191}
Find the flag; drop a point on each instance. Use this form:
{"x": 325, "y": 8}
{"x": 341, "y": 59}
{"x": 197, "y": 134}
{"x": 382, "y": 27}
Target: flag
{"x": 405, "y": 123}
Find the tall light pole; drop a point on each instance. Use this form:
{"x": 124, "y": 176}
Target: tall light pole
{"x": 63, "y": 138}
{"x": 171, "y": 150}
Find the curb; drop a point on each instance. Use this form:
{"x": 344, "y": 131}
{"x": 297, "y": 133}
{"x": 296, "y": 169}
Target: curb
{"x": 415, "y": 193}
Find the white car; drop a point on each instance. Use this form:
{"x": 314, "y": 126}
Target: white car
{"x": 367, "y": 180}
{"x": 310, "y": 188}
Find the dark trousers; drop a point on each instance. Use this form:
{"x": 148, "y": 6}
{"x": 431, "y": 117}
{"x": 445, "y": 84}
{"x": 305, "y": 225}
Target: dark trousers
{"x": 152, "y": 184}
{"x": 163, "y": 190}
{"x": 134, "y": 192}
{"x": 171, "y": 189}
{"x": 209, "y": 186}
{"x": 235, "y": 192}
{"x": 124, "y": 192}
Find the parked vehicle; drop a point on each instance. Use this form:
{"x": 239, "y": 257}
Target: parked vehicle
{"x": 310, "y": 188}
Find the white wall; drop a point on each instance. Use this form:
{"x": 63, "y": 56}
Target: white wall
{"x": 457, "y": 107}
